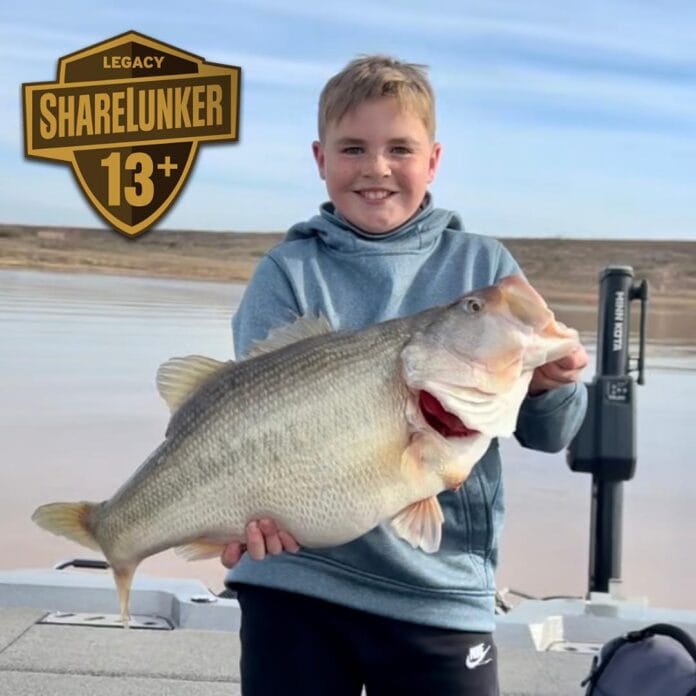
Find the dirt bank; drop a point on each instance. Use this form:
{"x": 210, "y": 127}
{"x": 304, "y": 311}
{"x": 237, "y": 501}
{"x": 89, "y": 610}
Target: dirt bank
{"x": 562, "y": 269}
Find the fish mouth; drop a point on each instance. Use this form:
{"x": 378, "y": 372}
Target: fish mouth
{"x": 441, "y": 420}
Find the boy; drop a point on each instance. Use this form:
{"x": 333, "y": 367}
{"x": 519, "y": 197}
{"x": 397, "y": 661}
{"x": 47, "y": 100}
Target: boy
{"x": 376, "y": 612}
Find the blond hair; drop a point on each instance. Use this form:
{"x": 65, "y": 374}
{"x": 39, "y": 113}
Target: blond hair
{"x": 372, "y": 77}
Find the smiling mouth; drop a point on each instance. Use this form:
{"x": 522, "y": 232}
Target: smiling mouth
{"x": 375, "y": 194}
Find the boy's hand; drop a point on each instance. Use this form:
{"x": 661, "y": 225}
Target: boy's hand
{"x": 262, "y": 537}
{"x": 555, "y": 374}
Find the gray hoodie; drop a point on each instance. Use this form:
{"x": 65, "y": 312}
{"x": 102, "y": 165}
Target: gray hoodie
{"x": 328, "y": 266}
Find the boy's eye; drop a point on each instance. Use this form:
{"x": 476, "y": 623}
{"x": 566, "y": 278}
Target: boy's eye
{"x": 401, "y": 150}
{"x": 352, "y": 150}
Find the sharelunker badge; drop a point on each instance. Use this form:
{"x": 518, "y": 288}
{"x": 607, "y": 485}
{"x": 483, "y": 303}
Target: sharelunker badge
{"x": 128, "y": 115}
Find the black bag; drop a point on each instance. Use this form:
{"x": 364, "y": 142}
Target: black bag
{"x": 659, "y": 660}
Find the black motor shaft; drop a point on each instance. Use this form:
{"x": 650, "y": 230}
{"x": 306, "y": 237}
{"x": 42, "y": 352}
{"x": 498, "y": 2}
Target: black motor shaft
{"x": 605, "y": 446}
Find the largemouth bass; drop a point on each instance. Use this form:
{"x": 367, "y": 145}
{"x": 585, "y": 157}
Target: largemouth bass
{"x": 329, "y": 433}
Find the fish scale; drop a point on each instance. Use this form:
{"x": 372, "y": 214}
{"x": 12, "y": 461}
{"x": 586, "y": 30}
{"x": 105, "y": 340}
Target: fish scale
{"x": 256, "y": 489}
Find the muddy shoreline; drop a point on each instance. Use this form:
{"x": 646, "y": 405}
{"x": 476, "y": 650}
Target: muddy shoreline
{"x": 563, "y": 270}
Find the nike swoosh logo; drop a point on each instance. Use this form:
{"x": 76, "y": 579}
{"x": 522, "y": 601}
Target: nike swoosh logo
{"x": 474, "y": 661}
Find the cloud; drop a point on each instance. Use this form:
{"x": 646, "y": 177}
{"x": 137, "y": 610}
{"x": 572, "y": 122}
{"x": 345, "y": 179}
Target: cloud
{"x": 39, "y": 43}
{"x": 614, "y": 27}
{"x": 281, "y": 71}
{"x": 552, "y": 114}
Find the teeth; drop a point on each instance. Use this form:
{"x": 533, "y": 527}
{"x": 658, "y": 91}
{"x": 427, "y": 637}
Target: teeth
{"x": 375, "y": 195}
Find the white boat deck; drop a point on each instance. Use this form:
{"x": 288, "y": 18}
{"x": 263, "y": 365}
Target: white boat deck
{"x": 544, "y": 647}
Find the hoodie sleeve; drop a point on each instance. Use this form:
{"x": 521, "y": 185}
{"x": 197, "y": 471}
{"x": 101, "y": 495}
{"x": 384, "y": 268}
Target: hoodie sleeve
{"x": 549, "y": 421}
{"x": 268, "y": 301}
{"x": 506, "y": 265}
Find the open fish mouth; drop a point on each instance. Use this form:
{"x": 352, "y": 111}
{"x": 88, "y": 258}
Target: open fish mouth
{"x": 440, "y": 419}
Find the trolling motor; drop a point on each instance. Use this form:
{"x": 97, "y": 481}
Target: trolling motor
{"x": 605, "y": 446}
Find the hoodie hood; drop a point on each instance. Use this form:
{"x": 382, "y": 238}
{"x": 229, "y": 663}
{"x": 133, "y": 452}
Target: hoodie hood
{"x": 418, "y": 233}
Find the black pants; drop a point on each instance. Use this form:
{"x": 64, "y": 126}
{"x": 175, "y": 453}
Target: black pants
{"x": 299, "y": 646}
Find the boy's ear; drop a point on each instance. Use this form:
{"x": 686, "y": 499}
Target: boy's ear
{"x": 318, "y": 152}
{"x": 434, "y": 162}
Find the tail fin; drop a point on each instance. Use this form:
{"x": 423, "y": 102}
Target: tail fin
{"x": 70, "y": 520}
{"x": 73, "y": 520}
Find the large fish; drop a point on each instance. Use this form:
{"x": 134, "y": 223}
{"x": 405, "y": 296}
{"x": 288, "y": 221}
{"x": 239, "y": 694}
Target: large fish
{"x": 329, "y": 433}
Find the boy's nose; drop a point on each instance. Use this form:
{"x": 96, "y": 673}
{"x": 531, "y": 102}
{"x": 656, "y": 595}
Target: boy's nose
{"x": 377, "y": 165}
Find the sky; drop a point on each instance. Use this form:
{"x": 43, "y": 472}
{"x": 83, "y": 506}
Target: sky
{"x": 557, "y": 119}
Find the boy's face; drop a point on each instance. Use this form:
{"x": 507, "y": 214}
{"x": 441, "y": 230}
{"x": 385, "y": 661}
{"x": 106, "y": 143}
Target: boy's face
{"x": 377, "y": 162}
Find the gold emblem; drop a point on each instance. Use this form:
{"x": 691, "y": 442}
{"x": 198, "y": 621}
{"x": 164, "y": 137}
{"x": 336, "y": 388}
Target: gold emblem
{"x": 128, "y": 114}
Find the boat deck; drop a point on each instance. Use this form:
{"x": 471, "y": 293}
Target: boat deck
{"x": 545, "y": 648}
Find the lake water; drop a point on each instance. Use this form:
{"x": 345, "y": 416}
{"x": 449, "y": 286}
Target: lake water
{"x": 79, "y": 411}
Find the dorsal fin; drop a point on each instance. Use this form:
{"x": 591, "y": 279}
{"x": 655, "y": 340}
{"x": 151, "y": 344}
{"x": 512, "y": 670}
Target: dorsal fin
{"x": 303, "y": 327}
{"x": 178, "y": 378}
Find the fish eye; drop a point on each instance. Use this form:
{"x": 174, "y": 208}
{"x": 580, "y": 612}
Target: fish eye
{"x": 473, "y": 305}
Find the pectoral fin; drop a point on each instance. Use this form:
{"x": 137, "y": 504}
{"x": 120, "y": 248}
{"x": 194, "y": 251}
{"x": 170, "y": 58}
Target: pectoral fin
{"x": 421, "y": 524}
